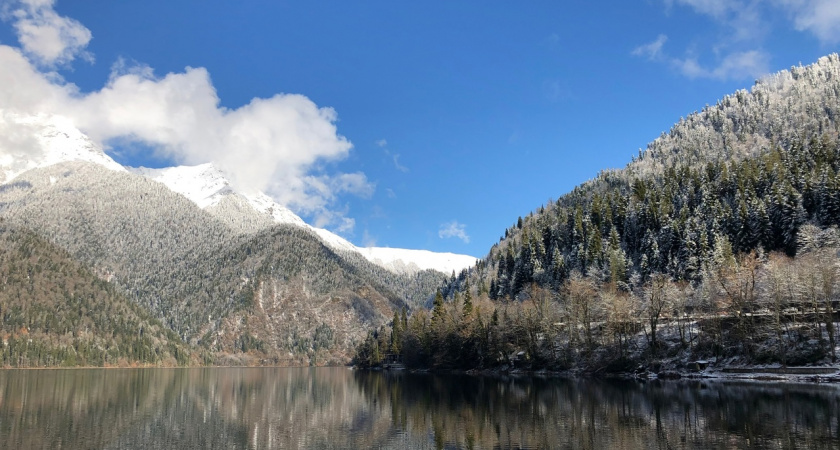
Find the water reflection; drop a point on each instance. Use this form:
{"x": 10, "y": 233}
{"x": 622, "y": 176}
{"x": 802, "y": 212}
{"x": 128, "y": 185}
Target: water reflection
{"x": 550, "y": 413}
{"x": 340, "y": 408}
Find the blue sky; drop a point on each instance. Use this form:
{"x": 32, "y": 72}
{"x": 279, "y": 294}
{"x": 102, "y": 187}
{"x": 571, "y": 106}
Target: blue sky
{"x": 427, "y": 125}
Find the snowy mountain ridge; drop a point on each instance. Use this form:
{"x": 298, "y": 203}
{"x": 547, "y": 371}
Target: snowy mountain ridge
{"x": 49, "y": 139}
{"x": 32, "y": 141}
{"x": 205, "y": 185}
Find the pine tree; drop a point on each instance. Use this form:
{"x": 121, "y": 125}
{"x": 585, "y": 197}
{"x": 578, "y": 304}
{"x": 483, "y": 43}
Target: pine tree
{"x": 467, "y": 310}
{"x": 438, "y": 311}
{"x": 396, "y": 333}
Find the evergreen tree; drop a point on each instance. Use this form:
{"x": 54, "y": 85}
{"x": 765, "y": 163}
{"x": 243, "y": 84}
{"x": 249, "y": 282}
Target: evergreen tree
{"x": 468, "y": 304}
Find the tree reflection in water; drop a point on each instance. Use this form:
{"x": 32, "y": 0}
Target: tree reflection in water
{"x": 531, "y": 412}
{"x": 340, "y": 408}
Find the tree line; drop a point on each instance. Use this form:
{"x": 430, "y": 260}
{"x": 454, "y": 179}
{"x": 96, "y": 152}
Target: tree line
{"x": 754, "y": 307}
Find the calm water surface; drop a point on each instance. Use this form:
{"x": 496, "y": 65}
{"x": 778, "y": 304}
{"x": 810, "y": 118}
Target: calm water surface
{"x": 340, "y": 408}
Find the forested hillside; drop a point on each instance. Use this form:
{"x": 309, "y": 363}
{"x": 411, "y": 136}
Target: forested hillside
{"x": 54, "y": 311}
{"x": 302, "y": 302}
{"x": 753, "y": 169}
{"x": 236, "y": 294}
{"x": 701, "y": 225}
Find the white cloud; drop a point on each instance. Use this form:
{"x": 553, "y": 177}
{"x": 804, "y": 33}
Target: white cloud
{"x": 24, "y": 88}
{"x": 742, "y": 26}
{"x": 741, "y": 18}
{"x": 454, "y": 229}
{"x": 690, "y": 67}
{"x": 738, "y": 65}
{"x": 714, "y": 8}
{"x": 382, "y": 143}
{"x": 17, "y": 142}
{"x": 735, "y": 65}
{"x": 736, "y": 51}
{"x": 353, "y": 183}
{"x": 820, "y": 17}
{"x": 397, "y": 164}
{"x": 281, "y": 145}
{"x": 272, "y": 145}
{"x": 753, "y": 63}
{"x": 651, "y": 50}
{"x": 335, "y": 219}
{"x": 345, "y": 224}
{"x": 46, "y": 37}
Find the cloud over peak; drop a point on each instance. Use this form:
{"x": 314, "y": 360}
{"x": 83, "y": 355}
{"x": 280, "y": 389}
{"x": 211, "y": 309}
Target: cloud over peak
{"x": 270, "y": 144}
{"x": 281, "y": 145}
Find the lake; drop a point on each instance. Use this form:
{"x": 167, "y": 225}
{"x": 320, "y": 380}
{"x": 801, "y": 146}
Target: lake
{"x": 342, "y": 408}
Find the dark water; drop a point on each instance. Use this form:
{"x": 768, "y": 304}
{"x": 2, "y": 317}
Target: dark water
{"x": 341, "y": 408}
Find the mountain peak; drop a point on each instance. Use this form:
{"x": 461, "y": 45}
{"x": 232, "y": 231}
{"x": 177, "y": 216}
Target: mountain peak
{"x": 207, "y": 187}
{"x": 204, "y": 184}
{"x": 35, "y": 141}
{"x": 32, "y": 141}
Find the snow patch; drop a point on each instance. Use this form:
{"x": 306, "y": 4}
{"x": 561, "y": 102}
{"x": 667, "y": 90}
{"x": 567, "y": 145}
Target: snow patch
{"x": 280, "y": 214}
{"x": 204, "y": 185}
{"x": 399, "y": 260}
{"x": 411, "y": 261}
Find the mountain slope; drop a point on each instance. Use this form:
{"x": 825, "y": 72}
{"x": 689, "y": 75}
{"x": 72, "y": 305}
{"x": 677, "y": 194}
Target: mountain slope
{"x": 125, "y": 226}
{"x": 201, "y": 277}
{"x": 57, "y": 312}
{"x": 781, "y": 109}
{"x": 721, "y": 242}
{"x": 238, "y": 275}
{"x": 29, "y": 142}
{"x": 208, "y": 188}
{"x": 750, "y": 170}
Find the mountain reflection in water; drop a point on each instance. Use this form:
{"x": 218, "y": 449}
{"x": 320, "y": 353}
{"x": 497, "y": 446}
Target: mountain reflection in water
{"x": 340, "y": 408}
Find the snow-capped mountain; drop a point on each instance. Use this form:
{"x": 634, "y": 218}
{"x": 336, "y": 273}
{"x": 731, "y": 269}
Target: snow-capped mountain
{"x": 409, "y": 261}
{"x": 207, "y": 186}
{"x": 208, "y": 262}
{"x": 29, "y": 142}
{"x": 203, "y": 184}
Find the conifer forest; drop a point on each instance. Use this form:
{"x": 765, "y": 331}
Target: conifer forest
{"x": 718, "y": 242}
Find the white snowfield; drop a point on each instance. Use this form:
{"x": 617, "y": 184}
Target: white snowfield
{"x": 411, "y": 261}
{"x": 50, "y": 140}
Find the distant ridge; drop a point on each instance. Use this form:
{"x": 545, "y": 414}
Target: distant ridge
{"x": 208, "y": 188}
{"x": 233, "y": 278}
{"x": 53, "y": 139}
